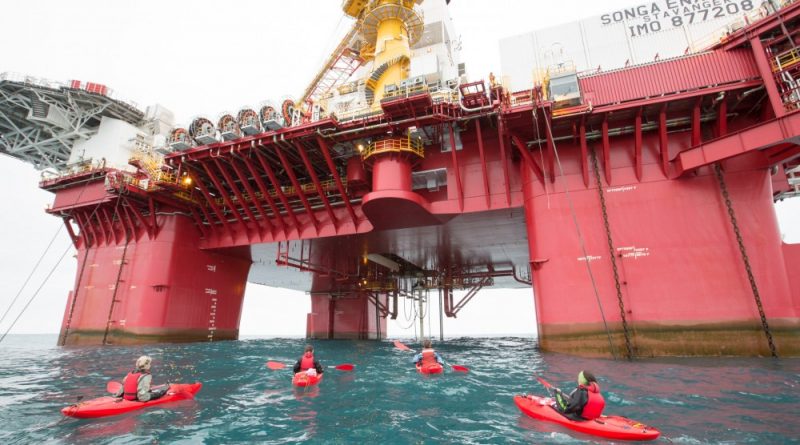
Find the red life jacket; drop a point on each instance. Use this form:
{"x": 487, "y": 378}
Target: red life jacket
{"x": 428, "y": 358}
{"x": 307, "y": 362}
{"x": 130, "y": 386}
{"x": 594, "y": 406}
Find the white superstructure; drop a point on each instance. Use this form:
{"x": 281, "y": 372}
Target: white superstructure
{"x": 641, "y": 33}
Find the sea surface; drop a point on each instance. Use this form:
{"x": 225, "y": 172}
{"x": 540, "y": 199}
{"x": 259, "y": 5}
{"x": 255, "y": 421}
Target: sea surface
{"x": 385, "y": 401}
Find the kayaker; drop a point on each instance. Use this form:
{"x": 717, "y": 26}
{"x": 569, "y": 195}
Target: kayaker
{"x": 584, "y": 402}
{"x": 136, "y": 385}
{"x": 307, "y": 361}
{"x": 428, "y": 356}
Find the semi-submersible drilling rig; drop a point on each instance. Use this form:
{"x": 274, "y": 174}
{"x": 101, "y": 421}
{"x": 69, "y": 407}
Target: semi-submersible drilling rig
{"x": 637, "y": 202}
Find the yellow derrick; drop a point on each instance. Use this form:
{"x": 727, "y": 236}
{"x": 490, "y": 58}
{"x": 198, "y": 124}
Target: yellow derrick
{"x": 384, "y": 32}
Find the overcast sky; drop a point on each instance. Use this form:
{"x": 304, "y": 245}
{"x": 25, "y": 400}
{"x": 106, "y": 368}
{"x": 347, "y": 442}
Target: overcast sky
{"x": 202, "y": 58}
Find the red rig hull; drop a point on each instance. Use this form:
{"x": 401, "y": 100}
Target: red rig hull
{"x": 645, "y": 216}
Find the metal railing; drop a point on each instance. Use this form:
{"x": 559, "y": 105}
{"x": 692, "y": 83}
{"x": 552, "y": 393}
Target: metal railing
{"x": 395, "y": 145}
{"x": 406, "y": 91}
{"x": 71, "y": 170}
{"x": 785, "y": 60}
{"x": 57, "y": 85}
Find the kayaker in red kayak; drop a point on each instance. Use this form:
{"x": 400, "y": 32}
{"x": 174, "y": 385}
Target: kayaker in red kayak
{"x": 307, "y": 361}
{"x": 584, "y": 402}
{"x": 136, "y": 385}
{"x": 428, "y": 356}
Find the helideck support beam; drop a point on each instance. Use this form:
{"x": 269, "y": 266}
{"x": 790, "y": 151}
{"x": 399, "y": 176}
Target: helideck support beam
{"x": 317, "y": 185}
{"x": 244, "y": 204}
{"x": 252, "y": 194}
{"x": 323, "y": 146}
{"x": 278, "y": 190}
{"x": 265, "y": 193}
{"x": 296, "y": 184}
{"x": 226, "y": 198}
{"x": 211, "y": 203}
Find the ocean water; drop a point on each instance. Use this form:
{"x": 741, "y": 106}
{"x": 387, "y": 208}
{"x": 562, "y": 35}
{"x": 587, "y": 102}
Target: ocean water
{"x": 384, "y": 401}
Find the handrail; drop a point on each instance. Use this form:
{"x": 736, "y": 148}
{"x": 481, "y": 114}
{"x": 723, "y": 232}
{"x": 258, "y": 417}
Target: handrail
{"x": 394, "y": 145}
{"x": 57, "y": 85}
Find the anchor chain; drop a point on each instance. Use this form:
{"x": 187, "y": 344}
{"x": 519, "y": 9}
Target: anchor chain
{"x": 625, "y": 330}
{"x": 764, "y": 325}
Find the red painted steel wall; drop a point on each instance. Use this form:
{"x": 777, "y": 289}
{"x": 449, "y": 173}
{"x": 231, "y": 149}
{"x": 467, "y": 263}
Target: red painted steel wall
{"x": 681, "y": 74}
{"x": 169, "y": 290}
{"x": 681, "y": 264}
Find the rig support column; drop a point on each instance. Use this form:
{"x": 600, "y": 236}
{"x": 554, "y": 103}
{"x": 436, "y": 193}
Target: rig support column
{"x": 164, "y": 289}
{"x": 350, "y": 317}
{"x": 683, "y": 285}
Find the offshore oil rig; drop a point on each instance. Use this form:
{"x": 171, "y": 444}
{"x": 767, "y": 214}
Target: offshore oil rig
{"x": 637, "y": 202}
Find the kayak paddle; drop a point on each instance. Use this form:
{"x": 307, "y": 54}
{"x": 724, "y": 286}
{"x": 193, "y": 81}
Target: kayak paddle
{"x": 113, "y": 387}
{"x": 458, "y": 368}
{"x": 343, "y": 367}
{"x": 275, "y": 365}
{"x": 401, "y": 346}
{"x": 546, "y": 385}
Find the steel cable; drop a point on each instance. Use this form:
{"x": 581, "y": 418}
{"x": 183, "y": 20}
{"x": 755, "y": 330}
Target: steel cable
{"x": 745, "y": 259}
{"x": 578, "y": 230}
{"x": 36, "y": 266}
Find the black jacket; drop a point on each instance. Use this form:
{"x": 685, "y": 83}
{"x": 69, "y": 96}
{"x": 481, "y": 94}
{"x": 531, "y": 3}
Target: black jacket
{"x": 575, "y": 401}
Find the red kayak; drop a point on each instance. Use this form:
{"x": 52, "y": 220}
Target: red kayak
{"x": 612, "y": 427}
{"x": 302, "y": 379}
{"x": 112, "y": 406}
{"x": 430, "y": 369}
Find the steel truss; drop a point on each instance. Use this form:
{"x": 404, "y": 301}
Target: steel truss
{"x": 40, "y": 121}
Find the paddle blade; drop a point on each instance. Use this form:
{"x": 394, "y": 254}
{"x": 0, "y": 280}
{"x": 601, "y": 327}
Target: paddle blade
{"x": 275, "y": 365}
{"x": 544, "y": 383}
{"x": 401, "y": 346}
{"x": 345, "y": 367}
{"x": 113, "y": 387}
{"x": 459, "y": 368}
